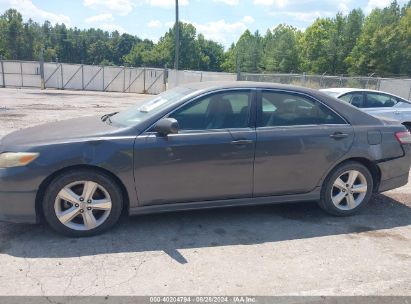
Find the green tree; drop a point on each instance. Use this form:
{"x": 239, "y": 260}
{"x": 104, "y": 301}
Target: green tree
{"x": 124, "y": 46}
{"x": 100, "y": 52}
{"x": 13, "y": 34}
{"x": 352, "y": 30}
{"x": 249, "y": 52}
{"x": 404, "y": 31}
{"x": 377, "y": 49}
{"x": 281, "y": 51}
{"x": 139, "y": 54}
{"x": 229, "y": 63}
{"x": 211, "y": 54}
{"x": 314, "y": 46}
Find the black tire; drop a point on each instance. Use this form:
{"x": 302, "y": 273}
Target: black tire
{"x": 73, "y": 176}
{"x": 326, "y": 202}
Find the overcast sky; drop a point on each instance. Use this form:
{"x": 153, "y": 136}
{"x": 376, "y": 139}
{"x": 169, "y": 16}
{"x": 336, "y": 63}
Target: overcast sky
{"x": 220, "y": 20}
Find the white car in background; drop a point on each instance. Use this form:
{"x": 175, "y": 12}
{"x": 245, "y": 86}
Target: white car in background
{"x": 376, "y": 103}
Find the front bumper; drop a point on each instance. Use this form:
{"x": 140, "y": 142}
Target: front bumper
{"x": 18, "y": 207}
{"x": 18, "y": 195}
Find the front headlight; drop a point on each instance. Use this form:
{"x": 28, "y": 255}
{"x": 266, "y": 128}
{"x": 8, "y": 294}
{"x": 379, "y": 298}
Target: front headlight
{"x": 14, "y": 159}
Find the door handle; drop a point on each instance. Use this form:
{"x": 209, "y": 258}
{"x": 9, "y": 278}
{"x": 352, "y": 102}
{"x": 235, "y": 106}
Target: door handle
{"x": 339, "y": 135}
{"x": 242, "y": 142}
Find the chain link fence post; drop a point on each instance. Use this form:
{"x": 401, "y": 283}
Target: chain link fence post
{"x": 82, "y": 77}
{"x": 62, "y": 76}
{"x": 368, "y": 80}
{"x": 165, "y": 78}
{"x": 144, "y": 81}
{"x": 2, "y": 72}
{"x": 42, "y": 81}
{"x": 124, "y": 79}
{"x": 322, "y": 80}
{"x": 104, "y": 85}
{"x": 21, "y": 74}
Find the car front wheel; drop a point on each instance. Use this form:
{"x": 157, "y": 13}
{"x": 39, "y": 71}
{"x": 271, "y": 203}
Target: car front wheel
{"x": 347, "y": 189}
{"x": 82, "y": 203}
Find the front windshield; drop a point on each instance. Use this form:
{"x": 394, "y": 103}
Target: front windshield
{"x": 149, "y": 107}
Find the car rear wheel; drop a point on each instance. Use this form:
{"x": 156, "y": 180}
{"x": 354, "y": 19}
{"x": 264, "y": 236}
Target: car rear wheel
{"x": 82, "y": 203}
{"x": 347, "y": 189}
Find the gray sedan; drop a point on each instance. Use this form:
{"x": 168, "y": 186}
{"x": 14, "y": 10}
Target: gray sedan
{"x": 201, "y": 145}
{"x": 376, "y": 103}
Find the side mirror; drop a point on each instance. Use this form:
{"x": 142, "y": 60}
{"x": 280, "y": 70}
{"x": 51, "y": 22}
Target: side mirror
{"x": 167, "y": 126}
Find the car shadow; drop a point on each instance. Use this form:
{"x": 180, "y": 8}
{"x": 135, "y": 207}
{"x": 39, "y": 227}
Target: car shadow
{"x": 207, "y": 228}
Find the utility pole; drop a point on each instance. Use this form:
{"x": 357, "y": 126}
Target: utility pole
{"x": 177, "y": 32}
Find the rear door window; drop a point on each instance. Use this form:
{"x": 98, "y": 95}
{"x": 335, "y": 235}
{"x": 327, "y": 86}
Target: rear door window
{"x": 376, "y": 100}
{"x": 289, "y": 109}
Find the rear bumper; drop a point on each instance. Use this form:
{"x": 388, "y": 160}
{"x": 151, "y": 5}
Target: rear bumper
{"x": 395, "y": 172}
{"x": 393, "y": 183}
{"x": 18, "y": 207}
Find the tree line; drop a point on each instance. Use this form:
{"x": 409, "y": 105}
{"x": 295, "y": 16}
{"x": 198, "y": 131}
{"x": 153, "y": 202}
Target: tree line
{"x": 352, "y": 44}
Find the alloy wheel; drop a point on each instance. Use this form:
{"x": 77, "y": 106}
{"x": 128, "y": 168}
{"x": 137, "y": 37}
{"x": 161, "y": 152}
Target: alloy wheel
{"x": 83, "y": 205}
{"x": 349, "y": 190}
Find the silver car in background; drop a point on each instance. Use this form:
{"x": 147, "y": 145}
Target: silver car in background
{"x": 376, "y": 103}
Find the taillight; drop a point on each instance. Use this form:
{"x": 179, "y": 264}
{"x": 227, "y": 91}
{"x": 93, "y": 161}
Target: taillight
{"x": 403, "y": 137}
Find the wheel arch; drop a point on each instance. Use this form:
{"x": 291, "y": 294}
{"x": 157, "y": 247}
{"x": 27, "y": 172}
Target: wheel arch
{"x": 43, "y": 186}
{"x": 370, "y": 165}
{"x": 407, "y": 124}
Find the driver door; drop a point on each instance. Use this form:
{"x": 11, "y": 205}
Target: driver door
{"x": 211, "y": 157}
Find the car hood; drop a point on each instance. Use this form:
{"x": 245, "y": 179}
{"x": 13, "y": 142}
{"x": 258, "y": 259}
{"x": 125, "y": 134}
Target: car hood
{"x": 62, "y": 131}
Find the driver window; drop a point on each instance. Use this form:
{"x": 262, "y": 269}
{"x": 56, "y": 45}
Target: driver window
{"x": 226, "y": 110}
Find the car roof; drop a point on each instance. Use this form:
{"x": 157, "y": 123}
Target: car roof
{"x": 341, "y": 91}
{"x": 217, "y": 85}
{"x": 347, "y": 90}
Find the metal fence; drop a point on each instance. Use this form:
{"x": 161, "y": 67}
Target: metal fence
{"x": 154, "y": 81}
{"x": 399, "y": 87}
{"x": 82, "y": 77}
{"x": 176, "y": 78}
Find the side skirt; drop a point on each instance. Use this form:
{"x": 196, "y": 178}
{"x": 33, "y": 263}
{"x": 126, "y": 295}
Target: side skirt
{"x": 312, "y": 196}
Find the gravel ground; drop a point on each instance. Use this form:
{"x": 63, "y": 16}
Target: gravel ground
{"x": 269, "y": 250}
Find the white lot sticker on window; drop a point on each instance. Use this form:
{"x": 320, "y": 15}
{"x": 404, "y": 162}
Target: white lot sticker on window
{"x": 156, "y": 103}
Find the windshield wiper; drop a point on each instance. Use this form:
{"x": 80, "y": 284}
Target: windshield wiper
{"x": 107, "y": 117}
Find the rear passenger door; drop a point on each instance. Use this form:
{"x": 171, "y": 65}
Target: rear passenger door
{"x": 298, "y": 140}
{"x": 382, "y": 104}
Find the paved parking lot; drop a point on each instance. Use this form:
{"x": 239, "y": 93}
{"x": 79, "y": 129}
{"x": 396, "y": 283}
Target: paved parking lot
{"x": 269, "y": 250}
